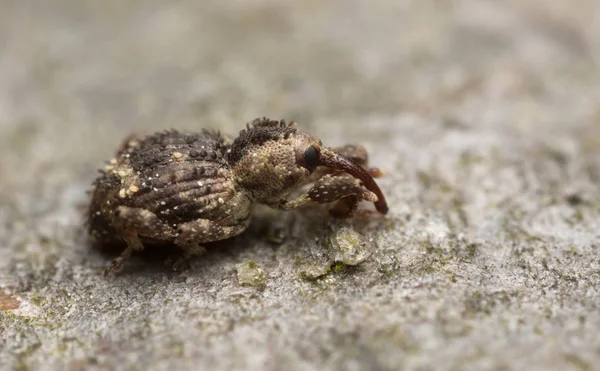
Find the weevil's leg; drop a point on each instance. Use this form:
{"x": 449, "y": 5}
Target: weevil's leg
{"x": 134, "y": 223}
{"x": 329, "y": 189}
{"x": 345, "y": 207}
{"x": 133, "y": 244}
{"x": 191, "y": 235}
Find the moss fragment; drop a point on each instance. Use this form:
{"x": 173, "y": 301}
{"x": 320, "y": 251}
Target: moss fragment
{"x": 350, "y": 247}
{"x": 250, "y": 274}
{"x": 337, "y": 267}
{"x": 313, "y": 272}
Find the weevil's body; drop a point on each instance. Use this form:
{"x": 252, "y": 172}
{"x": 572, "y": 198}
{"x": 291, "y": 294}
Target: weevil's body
{"x": 190, "y": 189}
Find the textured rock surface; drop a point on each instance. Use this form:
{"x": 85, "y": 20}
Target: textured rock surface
{"x": 485, "y": 115}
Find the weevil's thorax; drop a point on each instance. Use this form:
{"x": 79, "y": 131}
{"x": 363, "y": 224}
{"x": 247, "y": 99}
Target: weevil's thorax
{"x": 267, "y": 159}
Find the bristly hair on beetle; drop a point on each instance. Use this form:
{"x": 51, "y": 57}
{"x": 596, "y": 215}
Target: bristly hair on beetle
{"x": 189, "y": 189}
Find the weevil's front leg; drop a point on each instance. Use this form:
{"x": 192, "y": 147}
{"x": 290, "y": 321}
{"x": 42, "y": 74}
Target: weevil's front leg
{"x": 345, "y": 207}
{"x": 343, "y": 188}
{"x": 134, "y": 223}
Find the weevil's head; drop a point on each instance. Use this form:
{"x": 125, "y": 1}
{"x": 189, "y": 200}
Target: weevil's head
{"x": 271, "y": 158}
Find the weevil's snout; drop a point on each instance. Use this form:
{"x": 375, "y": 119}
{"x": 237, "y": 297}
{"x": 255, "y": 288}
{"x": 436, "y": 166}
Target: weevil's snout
{"x": 320, "y": 156}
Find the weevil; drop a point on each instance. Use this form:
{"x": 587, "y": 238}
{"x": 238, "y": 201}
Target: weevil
{"x": 189, "y": 189}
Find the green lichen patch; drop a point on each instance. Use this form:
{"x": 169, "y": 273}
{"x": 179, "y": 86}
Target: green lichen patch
{"x": 338, "y": 267}
{"x": 350, "y": 247}
{"x": 250, "y": 274}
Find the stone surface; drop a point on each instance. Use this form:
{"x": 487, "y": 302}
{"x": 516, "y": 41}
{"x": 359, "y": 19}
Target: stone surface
{"x": 484, "y": 114}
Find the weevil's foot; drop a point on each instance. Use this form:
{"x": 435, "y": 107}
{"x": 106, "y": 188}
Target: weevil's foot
{"x": 344, "y": 208}
{"x": 115, "y": 266}
{"x": 181, "y": 262}
{"x": 364, "y": 213}
{"x": 341, "y": 213}
{"x": 178, "y": 263}
{"x": 133, "y": 244}
{"x": 376, "y": 172}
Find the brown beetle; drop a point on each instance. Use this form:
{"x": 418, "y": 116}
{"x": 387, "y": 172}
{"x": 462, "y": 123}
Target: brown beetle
{"x": 193, "y": 188}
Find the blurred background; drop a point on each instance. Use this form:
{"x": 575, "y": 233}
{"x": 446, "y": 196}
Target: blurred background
{"x": 484, "y": 114}
{"x": 73, "y": 70}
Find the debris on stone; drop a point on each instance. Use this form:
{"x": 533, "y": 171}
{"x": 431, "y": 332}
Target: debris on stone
{"x": 314, "y": 270}
{"x": 8, "y": 302}
{"x": 350, "y": 247}
{"x": 250, "y": 274}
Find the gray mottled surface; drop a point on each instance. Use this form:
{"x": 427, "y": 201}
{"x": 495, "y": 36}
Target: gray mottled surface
{"x": 485, "y": 115}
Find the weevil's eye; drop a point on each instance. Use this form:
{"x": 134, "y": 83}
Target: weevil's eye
{"x": 311, "y": 156}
